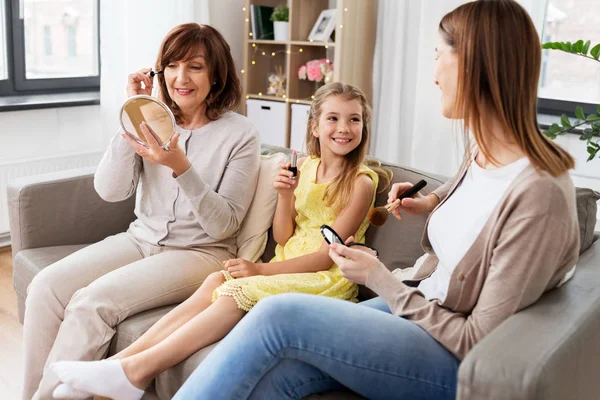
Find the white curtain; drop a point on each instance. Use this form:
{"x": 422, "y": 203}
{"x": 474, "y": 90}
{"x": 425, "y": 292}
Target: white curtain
{"x": 130, "y": 35}
{"x": 408, "y": 127}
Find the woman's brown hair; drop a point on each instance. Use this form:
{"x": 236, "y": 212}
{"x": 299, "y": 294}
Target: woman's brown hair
{"x": 185, "y": 41}
{"x": 499, "y": 56}
{"x": 339, "y": 191}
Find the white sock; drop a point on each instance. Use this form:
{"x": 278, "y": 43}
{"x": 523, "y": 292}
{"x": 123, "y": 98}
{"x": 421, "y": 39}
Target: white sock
{"x": 103, "y": 378}
{"x": 65, "y": 391}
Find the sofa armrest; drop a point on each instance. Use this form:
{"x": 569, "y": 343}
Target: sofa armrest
{"x": 62, "y": 208}
{"x": 548, "y": 351}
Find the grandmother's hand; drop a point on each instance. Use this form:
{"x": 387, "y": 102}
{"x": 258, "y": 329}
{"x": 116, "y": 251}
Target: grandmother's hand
{"x": 173, "y": 158}
{"x": 355, "y": 262}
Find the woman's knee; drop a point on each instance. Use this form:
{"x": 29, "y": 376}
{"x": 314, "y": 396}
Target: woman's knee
{"x": 93, "y": 302}
{"x": 48, "y": 285}
{"x": 283, "y": 308}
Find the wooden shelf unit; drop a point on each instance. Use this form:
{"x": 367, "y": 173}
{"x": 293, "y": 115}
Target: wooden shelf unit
{"x": 351, "y": 53}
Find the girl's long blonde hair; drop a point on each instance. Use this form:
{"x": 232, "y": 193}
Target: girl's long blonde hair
{"x": 339, "y": 191}
{"x": 499, "y": 57}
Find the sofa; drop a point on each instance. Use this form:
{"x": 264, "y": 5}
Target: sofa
{"x": 548, "y": 351}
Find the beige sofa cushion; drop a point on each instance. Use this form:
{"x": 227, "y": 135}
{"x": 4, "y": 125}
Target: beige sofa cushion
{"x": 253, "y": 235}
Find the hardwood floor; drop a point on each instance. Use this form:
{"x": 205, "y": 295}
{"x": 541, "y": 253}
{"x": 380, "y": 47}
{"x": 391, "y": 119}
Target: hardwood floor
{"x": 11, "y": 333}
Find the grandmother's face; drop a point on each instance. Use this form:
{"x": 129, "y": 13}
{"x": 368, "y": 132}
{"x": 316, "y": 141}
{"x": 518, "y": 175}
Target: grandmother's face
{"x": 188, "y": 81}
{"x": 446, "y": 76}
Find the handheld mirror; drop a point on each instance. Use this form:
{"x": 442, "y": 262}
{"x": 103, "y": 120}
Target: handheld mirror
{"x": 154, "y": 113}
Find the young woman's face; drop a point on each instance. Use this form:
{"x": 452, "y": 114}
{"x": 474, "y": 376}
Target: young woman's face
{"x": 339, "y": 126}
{"x": 446, "y": 76}
{"x": 188, "y": 82}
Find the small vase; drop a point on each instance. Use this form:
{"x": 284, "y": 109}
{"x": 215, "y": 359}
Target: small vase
{"x": 282, "y": 30}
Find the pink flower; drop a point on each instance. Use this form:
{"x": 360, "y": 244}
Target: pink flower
{"x": 302, "y": 73}
{"x": 313, "y": 70}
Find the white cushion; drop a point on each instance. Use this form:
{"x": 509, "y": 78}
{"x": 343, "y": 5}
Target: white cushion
{"x": 252, "y": 239}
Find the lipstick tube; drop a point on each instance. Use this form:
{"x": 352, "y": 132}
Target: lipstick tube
{"x": 293, "y": 167}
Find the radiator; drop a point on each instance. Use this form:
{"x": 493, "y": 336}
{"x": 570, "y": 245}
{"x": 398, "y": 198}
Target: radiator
{"x": 14, "y": 170}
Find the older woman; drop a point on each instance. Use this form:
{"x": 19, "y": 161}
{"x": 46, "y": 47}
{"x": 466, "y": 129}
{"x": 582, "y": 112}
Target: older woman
{"x": 191, "y": 203}
{"x": 500, "y": 235}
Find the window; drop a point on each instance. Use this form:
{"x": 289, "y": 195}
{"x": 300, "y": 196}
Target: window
{"x": 49, "y": 46}
{"x": 47, "y": 42}
{"x": 3, "y": 60}
{"x": 71, "y": 40}
{"x": 567, "y": 80}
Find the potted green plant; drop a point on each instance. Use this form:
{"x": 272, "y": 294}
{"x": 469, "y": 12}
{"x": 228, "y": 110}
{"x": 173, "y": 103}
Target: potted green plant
{"x": 591, "y": 122}
{"x": 281, "y": 25}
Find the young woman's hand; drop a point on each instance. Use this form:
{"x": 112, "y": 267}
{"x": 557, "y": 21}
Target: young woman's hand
{"x": 173, "y": 158}
{"x": 416, "y": 205}
{"x": 355, "y": 263}
{"x": 135, "y": 80}
{"x": 283, "y": 183}
{"x": 240, "y": 268}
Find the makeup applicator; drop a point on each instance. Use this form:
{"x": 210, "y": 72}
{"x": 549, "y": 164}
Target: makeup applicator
{"x": 378, "y": 215}
{"x": 152, "y": 73}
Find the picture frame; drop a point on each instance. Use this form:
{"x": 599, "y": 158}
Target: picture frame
{"x": 324, "y": 26}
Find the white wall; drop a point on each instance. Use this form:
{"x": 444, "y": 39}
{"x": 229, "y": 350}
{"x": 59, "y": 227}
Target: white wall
{"x": 227, "y": 17}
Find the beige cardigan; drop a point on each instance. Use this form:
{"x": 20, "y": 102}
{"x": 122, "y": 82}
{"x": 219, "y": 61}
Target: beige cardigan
{"x": 527, "y": 246}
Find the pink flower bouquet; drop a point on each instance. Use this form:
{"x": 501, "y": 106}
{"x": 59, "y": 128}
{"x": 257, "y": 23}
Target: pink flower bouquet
{"x": 316, "y": 71}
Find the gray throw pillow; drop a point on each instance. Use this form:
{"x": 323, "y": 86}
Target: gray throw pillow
{"x": 586, "y": 214}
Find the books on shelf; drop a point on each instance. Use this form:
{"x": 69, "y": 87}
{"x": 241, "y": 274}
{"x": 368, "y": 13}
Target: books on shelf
{"x": 260, "y": 22}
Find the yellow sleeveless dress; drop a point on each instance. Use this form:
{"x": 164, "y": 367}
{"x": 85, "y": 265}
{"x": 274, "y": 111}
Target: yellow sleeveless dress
{"x": 312, "y": 213}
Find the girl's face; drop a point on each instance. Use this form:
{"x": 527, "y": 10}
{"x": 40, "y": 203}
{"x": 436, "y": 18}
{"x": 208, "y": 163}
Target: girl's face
{"x": 188, "y": 82}
{"x": 446, "y": 76}
{"x": 340, "y": 125}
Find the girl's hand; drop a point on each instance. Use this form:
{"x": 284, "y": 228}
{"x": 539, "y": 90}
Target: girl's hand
{"x": 135, "y": 80}
{"x": 355, "y": 263}
{"x": 284, "y": 184}
{"x": 240, "y": 268}
{"x": 174, "y": 158}
{"x": 416, "y": 205}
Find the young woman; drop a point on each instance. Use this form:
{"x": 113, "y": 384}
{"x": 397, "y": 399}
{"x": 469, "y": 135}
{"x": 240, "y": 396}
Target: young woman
{"x": 500, "y": 235}
{"x": 190, "y": 206}
{"x": 334, "y": 187}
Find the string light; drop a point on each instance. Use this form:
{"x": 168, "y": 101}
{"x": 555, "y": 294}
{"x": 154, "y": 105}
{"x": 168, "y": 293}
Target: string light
{"x": 273, "y": 54}
{"x": 243, "y": 71}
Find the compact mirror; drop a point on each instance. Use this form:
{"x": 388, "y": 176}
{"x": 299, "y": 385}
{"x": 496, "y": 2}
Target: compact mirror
{"x": 154, "y": 113}
{"x": 330, "y": 235}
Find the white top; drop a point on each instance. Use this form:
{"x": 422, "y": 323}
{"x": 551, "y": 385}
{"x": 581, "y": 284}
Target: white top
{"x": 455, "y": 225}
{"x": 205, "y": 205}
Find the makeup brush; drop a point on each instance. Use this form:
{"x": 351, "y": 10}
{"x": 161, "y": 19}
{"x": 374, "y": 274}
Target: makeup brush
{"x": 378, "y": 215}
{"x": 152, "y": 73}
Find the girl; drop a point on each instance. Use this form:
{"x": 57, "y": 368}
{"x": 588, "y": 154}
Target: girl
{"x": 333, "y": 187}
{"x": 500, "y": 235}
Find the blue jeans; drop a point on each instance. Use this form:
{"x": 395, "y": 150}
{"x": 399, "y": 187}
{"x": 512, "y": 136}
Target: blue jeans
{"x": 293, "y": 345}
